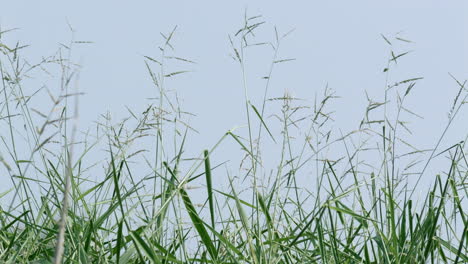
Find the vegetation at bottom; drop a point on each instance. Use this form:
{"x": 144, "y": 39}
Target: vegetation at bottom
{"x": 295, "y": 188}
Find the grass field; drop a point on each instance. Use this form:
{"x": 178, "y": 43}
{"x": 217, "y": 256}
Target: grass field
{"x": 370, "y": 195}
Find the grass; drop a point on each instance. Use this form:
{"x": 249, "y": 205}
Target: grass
{"x": 155, "y": 204}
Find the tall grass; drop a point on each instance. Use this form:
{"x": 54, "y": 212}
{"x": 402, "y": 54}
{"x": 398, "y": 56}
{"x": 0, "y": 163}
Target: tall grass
{"x": 318, "y": 196}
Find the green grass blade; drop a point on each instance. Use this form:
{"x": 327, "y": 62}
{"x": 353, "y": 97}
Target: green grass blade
{"x": 209, "y": 187}
{"x": 198, "y": 224}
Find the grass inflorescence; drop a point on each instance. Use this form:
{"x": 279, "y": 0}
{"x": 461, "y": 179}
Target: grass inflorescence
{"x": 318, "y": 195}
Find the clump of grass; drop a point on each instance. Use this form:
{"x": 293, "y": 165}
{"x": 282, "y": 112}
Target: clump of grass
{"x": 320, "y": 197}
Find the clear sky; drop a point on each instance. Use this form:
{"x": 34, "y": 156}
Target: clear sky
{"x": 337, "y": 43}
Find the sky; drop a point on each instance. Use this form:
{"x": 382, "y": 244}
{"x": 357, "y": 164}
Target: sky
{"x": 337, "y": 44}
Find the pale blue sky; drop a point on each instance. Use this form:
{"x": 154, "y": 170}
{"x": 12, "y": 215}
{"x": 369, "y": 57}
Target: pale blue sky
{"x": 338, "y": 43}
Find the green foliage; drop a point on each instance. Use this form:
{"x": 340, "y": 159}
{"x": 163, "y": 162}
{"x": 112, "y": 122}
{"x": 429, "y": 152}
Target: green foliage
{"x": 356, "y": 213}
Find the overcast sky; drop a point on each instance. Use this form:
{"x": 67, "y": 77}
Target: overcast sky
{"x": 337, "y": 44}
